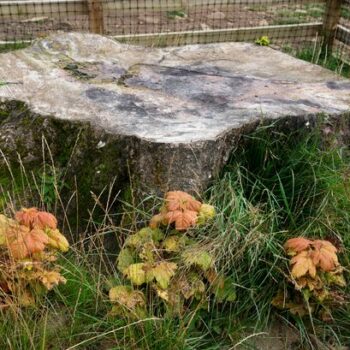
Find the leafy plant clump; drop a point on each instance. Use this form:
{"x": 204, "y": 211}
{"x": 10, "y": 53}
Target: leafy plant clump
{"x": 316, "y": 274}
{"x": 169, "y": 265}
{"x": 176, "y": 14}
{"x": 29, "y": 244}
{"x": 263, "y": 41}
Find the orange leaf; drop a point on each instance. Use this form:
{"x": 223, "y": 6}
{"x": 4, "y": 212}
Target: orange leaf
{"x": 44, "y": 220}
{"x": 183, "y": 219}
{"x": 296, "y": 245}
{"x": 28, "y": 243}
{"x": 26, "y": 216}
{"x": 324, "y": 255}
{"x": 179, "y": 200}
{"x": 303, "y": 264}
{"x": 33, "y": 218}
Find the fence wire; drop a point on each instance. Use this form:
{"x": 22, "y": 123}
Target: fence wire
{"x": 172, "y": 22}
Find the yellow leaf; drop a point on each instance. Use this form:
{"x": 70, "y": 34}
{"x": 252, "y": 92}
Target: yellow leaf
{"x": 57, "y": 240}
{"x": 206, "y": 213}
{"x": 148, "y": 233}
{"x": 172, "y": 244}
{"x": 127, "y": 297}
{"x": 191, "y": 285}
{"x": 162, "y": 273}
{"x": 143, "y": 236}
{"x": 156, "y": 221}
{"x": 336, "y": 277}
{"x": 51, "y": 279}
{"x": 5, "y": 223}
{"x": 303, "y": 264}
{"x": 136, "y": 273}
{"x": 163, "y": 294}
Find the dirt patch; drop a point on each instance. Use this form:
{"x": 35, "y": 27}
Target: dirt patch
{"x": 141, "y": 20}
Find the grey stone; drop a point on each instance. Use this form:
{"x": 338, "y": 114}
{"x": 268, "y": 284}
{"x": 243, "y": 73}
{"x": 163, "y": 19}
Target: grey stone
{"x": 168, "y": 117}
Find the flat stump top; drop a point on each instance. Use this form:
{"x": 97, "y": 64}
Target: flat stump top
{"x": 172, "y": 95}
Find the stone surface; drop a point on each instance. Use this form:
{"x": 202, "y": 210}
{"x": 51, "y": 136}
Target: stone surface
{"x": 169, "y": 117}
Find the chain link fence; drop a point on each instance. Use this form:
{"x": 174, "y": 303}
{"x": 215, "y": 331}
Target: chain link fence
{"x": 175, "y": 22}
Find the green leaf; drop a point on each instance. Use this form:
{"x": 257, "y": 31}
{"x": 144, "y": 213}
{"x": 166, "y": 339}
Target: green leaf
{"x": 143, "y": 236}
{"x": 224, "y": 290}
{"x": 175, "y": 243}
{"x": 162, "y": 273}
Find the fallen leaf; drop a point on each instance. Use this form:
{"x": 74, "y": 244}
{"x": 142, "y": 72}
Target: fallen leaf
{"x": 44, "y": 220}
{"x": 308, "y": 282}
{"x": 171, "y": 244}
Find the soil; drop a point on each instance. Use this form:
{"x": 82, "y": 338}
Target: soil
{"x": 152, "y": 21}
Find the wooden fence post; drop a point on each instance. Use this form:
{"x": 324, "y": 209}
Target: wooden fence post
{"x": 95, "y": 9}
{"x": 330, "y": 22}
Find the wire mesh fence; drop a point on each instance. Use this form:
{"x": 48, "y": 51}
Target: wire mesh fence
{"x": 172, "y": 22}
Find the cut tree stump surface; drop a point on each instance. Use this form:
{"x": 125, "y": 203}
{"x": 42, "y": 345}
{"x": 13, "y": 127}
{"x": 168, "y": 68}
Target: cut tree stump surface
{"x": 177, "y": 113}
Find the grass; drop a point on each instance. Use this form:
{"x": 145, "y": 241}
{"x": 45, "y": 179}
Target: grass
{"x": 12, "y": 47}
{"x": 276, "y": 186}
{"x": 336, "y": 62}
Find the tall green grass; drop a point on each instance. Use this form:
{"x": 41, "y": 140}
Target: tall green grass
{"x": 275, "y": 187}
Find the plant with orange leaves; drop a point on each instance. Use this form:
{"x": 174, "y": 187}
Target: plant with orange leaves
{"x": 316, "y": 273}
{"x": 29, "y": 244}
{"x": 183, "y": 210}
{"x": 167, "y": 265}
